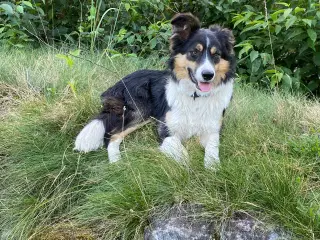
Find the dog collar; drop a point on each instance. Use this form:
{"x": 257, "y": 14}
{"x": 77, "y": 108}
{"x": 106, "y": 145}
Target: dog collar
{"x": 195, "y": 95}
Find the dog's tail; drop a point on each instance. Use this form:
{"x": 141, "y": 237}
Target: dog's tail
{"x": 91, "y": 136}
{"x": 98, "y": 131}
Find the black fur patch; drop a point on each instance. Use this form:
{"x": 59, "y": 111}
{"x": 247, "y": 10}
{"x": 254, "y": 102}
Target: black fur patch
{"x": 141, "y": 94}
{"x": 183, "y": 25}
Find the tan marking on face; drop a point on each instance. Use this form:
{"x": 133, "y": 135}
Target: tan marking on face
{"x": 126, "y": 132}
{"x": 199, "y": 47}
{"x": 221, "y": 69}
{"x": 213, "y": 50}
{"x": 181, "y": 63}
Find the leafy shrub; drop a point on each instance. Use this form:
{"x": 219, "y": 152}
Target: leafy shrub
{"x": 18, "y": 21}
{"x": 291, "y": 31}
{"x": 277, "y": 46}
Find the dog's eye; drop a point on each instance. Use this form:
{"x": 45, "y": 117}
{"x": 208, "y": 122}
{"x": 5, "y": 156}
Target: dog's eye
{"x": 216, "y": 55}
{"x": 194, "y": 53}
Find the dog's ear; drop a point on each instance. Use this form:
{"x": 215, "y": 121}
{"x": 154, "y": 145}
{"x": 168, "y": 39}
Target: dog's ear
{"x": 225, "y": 36}
{"x": 183, "y": 24}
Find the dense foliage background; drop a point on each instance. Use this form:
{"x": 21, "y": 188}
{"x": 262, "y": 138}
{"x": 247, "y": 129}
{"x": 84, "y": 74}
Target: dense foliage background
{"x": 277, "y": 42}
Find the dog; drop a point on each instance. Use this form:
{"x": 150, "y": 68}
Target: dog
{"x": 189, "y": 99}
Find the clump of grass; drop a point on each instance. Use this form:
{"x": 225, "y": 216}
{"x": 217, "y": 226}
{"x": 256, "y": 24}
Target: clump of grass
{"x": 269, "y": 151}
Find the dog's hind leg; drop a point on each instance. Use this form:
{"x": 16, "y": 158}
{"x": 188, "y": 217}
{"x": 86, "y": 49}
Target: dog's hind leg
{"x": 116, "y": 139}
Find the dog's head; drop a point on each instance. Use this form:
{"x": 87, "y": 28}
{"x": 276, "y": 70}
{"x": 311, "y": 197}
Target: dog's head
{"x": 200, "y": 58}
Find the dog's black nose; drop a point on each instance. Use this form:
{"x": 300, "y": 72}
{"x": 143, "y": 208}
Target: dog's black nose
{"x": 207, "y": 75}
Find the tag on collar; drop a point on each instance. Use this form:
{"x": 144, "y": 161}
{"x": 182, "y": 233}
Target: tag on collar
{"x": 195, "y": 95}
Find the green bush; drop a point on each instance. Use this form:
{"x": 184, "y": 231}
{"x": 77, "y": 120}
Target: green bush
{"x": 291, "y": 31}
{"x": 19, "y": 23}
{"x": 277, "y": 45}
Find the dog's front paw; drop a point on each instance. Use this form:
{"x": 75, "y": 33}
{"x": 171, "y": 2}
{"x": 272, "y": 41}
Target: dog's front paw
{"x": 173, "y": 148}
{"x": 211, "y": 162}
{"x": 114, "y": 152}
{"x": 114, "y": 157}
{"x": 211, "y": 158}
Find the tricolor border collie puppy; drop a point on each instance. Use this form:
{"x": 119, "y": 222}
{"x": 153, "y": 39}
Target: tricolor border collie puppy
{"x": 188, "y": 100}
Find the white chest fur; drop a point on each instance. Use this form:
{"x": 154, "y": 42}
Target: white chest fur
{"x": 200, "y": 116}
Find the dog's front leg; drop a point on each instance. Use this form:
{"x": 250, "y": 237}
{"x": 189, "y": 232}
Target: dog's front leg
{"x": 211, "y": 144}
{"x": 172, "y": 147}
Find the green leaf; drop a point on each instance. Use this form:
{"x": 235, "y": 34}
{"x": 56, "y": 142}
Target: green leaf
{"x": 127, "y": 6}
{"x": 256, "y": 26}
{"x": 266, "y": 58}
{"x": 122, "y": 31}
{"x": 312, "y": 34}
{"x": 68, "y": 59}
{"x": 247, "y": 16}
{"x": 29, "y": 4}
{"x": 132, "y": 55}
{"x": 307, "y": 21}
{"x": 277, "y": 29}
{"x": 270, "y": 71}
{"x": 245, "y": 49}
{"x": 287, "y": 81}
{"x": 318, "y": 14}
{"x": 253, "y": 55}
{"x": 75, "y": 52}
{"x": 73, "y": 87}
{"x": 20, "y": 9}
{"x": 161, "y": 6}
{"x": 287, "y": 12}
{"x": 130, "y": 39}
{"x": 7, "y": 8}
{"x": 303, "y": 47}
{"x": 40, "y": 11}
{"x": 274, "y": 15}
{"x": 276, "y": 78}
{"x": 295, "y": 32}
{"x": 236, "y": 17}
{"x": 283, "y": 3}
{"x": 256, "y": 65}
{"x": 153, "y": 43}
{"x": 290, "y": 22}
{"x": 273, "y": 82}
{"x": 316, "y": 58}
{"x": 237, "y": 22}
{"x": 311, "y": 44}
{"x": 299, "y": 9}
{"x": 139, "y": 39}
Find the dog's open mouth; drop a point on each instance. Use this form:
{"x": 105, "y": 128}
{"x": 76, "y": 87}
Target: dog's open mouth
{"x": 202, "y": 86}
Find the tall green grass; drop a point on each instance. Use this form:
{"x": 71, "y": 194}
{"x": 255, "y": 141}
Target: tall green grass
{"x": 270, "y": 151}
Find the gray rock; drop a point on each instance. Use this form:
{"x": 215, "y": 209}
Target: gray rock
{"x": 247, "y": 228}
{"x": 180, "y": 222}
{"x": 191, "y": 221}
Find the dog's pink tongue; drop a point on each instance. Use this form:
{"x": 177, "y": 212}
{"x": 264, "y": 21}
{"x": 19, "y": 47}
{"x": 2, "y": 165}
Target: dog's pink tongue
{"x": 204, "y": 87}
